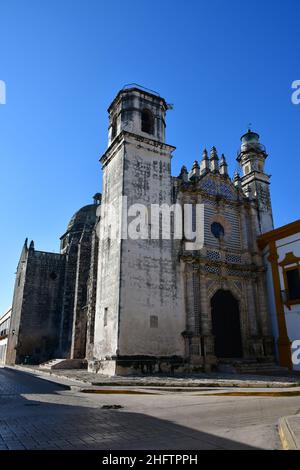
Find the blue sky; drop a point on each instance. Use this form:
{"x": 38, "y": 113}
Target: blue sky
{"x": 222, "y": 64}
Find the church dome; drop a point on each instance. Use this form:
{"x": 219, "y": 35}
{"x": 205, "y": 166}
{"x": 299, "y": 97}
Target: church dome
{"x": 84, "y": 216}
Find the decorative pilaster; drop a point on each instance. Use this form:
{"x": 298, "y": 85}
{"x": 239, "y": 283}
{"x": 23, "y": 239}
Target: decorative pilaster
{"x": 207, "y": 339}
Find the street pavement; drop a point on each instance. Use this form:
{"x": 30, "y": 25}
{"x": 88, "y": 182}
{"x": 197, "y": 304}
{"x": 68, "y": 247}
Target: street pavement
{"x": 40, "y": 414}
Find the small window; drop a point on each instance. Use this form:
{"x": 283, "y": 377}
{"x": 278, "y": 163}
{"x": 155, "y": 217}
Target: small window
{"x": 293, "y": 284}
{"x": 114, "y": 129}
{"x": 147, "y": 121}
{"x": 153, "y": 321}
{"x": 105, "y": 316}
{"x": 247, "y": 169}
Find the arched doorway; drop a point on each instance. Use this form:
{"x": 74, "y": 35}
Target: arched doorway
{"x": 226, "y": 325}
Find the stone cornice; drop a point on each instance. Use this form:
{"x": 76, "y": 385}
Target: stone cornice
{"x": 201, "y": 260}
{"x": 127, "y": 137}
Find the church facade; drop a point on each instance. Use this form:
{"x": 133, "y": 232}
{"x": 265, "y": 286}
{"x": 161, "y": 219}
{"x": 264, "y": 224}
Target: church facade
{"x": 148, "y": 301}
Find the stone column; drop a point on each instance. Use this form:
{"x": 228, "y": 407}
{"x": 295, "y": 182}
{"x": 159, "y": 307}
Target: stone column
{"x": 78, "y": 345}
{"x": 207, "y": 338}
{"x": 268, "y": 340}
{"x": 189, "y": 308}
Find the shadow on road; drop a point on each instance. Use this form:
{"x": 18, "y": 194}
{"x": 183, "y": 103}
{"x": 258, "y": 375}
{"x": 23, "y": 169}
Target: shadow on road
{"x": 52, "y": 424}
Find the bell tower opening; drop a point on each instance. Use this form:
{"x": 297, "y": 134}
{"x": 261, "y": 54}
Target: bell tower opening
{"x": 226, "y": 326}
{"x": 138, "y": 111}
{"x": 147, "y": 121}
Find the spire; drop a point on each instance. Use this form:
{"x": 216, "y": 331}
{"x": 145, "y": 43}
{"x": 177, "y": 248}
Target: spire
{"x": 184, "y": 173}
{"x": 214, "y": 160}
{"x": 223, "y": 166}
{"x": 237, "y": 180}
{"x": 195, "y": 172}
{"x": 204, "y": 166}
{"x": 31, "y": 246}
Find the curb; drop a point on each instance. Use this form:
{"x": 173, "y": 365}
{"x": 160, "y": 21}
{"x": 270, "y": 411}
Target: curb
{"x": 225, "y": 383}
{"x": 51, "y": 377}
{"x": 287, "y": 436}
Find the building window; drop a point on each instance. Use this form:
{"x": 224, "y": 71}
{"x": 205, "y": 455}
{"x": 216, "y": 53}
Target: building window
{"x": 291, "y": 275}
{"x": 247, "y": 169}
{"x": 293, "y": 284}
{"x": 105, "y": 316}
{"x": 147, "y": 122}
{"x": 153, "y": 321}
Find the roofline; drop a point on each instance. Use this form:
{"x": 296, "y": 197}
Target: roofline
{"x": 6, "y": 313}
{"x": 278, "y": 233}
{"x": 140, "y": 90}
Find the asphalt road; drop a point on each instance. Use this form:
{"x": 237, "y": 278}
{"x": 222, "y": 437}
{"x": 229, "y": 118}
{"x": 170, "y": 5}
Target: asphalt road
{"x": 38, "y": 414}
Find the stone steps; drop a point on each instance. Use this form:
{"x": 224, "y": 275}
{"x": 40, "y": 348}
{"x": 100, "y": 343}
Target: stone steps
{"x": 252, "y": 368}
{"x": 50, "y": 364}
{"x": 64, "y": 364}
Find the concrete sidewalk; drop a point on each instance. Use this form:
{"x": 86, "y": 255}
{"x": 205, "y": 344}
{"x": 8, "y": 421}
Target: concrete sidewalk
{"x": 84, "y": 378}
{"x": 289, "y": 431}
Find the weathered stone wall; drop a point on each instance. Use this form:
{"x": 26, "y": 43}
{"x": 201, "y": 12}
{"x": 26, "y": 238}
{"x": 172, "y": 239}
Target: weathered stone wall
{"x": 151, "y": 283}
{"x": 232, "y": 263}
{"x": 91, "y": 296}
{"x": 69, "y": 282}
{"x": 79, "y": 329}
{"x": 107, "y": 304}
{"x": 76, "y": 246}
{"x": 17, "y": 307}
{"x": 39, "y": 304}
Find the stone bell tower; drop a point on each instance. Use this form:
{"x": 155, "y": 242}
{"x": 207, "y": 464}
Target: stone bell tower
{"x": 139, "y": 112}
{"x": 138, "y": 319}
{"x": 255, "y": 182}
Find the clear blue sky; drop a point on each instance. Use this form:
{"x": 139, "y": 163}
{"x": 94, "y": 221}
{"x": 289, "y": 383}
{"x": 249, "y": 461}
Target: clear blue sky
{"x": 222, "y": 63}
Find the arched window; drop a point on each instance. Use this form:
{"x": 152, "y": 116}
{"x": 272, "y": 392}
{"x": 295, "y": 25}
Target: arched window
{"x": 114, "y": 128}
{"x": 147, "y": 121}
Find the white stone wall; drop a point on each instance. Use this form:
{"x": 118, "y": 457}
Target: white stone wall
{"x": 292, "y": 315}
{"x": 3, "y": 347}
{"x": 107, "y": 329}
{"x": 151, "y": 282}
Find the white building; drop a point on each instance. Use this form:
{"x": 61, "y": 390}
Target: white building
{"x": 281, "y": 253}
{"x": 4, "y": 330}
